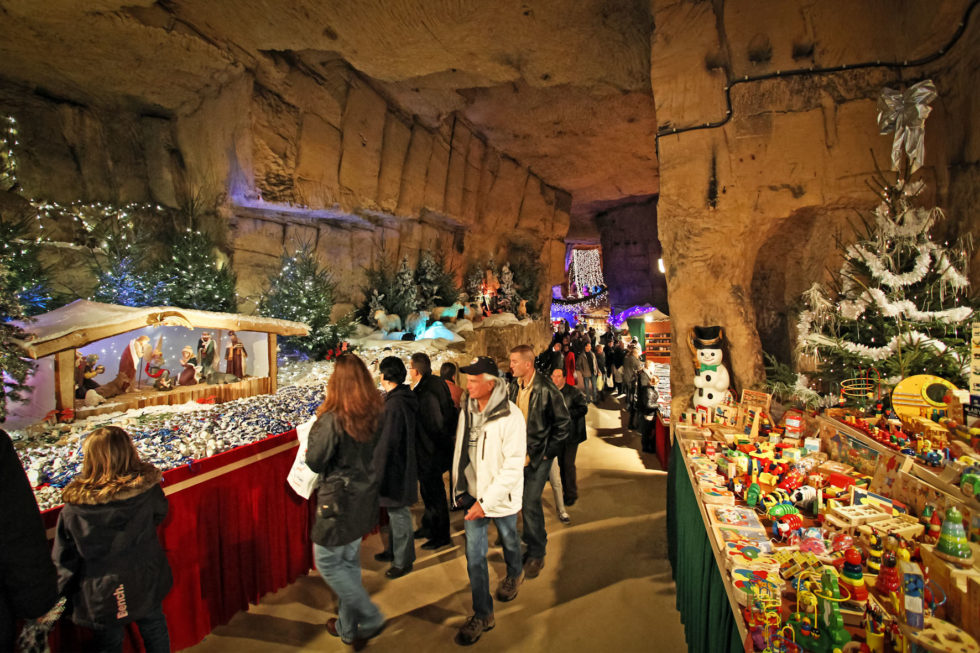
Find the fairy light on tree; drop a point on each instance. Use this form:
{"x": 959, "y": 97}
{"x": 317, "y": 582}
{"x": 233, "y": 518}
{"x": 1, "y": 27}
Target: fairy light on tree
{"x": 16, "y": 368}
{"x": 303, "y": 291}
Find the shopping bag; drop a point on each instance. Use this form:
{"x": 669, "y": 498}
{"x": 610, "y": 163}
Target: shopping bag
{"x": 301, "y": 478}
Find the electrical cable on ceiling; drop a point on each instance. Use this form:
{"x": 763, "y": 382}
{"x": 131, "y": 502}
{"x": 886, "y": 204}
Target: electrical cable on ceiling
{"x": 960, "y": 29}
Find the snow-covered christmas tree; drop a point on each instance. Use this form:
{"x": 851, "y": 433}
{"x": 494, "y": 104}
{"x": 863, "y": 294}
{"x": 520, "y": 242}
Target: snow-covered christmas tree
{"x": 303, "y": 291}
{"x": 899, "y": 303}
{"x": 15, "y": 366}
{"x": 26, "y": 277}
{"x": 405, "y": 297}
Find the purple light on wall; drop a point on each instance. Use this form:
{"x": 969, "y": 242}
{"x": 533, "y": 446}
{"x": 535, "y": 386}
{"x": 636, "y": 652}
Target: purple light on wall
{"x": 618, "y": 319}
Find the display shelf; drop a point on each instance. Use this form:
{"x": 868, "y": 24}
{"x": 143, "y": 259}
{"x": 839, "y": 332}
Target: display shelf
{"x": 658, "y": 341}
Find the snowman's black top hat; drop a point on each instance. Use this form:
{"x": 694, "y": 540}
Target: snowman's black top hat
{"x": 707, "y": 337}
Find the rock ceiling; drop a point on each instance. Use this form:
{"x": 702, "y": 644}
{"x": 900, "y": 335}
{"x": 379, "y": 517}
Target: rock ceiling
{"x": 562, "y": 86}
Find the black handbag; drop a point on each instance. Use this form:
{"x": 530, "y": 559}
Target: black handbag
{"x": 333, "y": 496}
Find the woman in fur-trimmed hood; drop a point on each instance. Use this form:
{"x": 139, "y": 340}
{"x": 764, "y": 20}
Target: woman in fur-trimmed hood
{"x": 110, "y": 562}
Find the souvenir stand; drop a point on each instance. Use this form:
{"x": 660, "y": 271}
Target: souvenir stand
{"x": 235, "y": 530}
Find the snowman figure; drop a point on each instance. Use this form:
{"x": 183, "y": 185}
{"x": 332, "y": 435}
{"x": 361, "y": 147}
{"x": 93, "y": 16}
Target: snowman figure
{"x": 711, "y": 377}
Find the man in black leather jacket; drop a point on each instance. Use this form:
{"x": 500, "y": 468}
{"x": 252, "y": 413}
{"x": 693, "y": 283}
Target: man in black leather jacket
{"x": 548, "y": 425}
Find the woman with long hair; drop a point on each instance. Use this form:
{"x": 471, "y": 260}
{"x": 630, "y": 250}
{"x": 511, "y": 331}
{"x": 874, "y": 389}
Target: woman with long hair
{"x": 110, "y": 562}
{"x": 340, "y": 449}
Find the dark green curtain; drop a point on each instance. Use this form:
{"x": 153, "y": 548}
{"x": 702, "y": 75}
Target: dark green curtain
{"x": 637, "y": 327}
{"x": 709, "y": 623}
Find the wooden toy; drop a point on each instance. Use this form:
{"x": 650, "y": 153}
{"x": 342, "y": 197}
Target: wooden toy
{"x": 904, "y": 526}
{"x": 952, "y": 545}
{"x": 854, "y": 516}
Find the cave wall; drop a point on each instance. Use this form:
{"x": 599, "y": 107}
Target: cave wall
{"x": 749, "y": 209}
{"x": 630, "y": 249}
{"x": 291, "y": 155}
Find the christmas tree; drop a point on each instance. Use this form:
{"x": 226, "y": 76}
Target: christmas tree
{"x": 898, "y": 304}
{"x": 15, "y": 368}
{"x": 436, "y": 283}
{"x": 303, "y": 291}
{"x": 404, "y": 298}
{"x": 194, "y": 277}
{"x": 508, "y": 290}
{"x": 26, "y": 278}
{"x": 119, "y": 258}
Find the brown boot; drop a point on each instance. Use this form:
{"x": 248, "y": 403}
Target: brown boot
{"x": 533, "y": 567}
{"x": 474, "y": 627}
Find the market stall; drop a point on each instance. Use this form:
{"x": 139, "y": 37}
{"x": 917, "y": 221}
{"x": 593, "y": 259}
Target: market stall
{"x": 235, "y": 532}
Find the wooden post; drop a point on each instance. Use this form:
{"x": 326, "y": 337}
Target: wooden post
{"x": 64, "y": 380}
{"x": 273, "y": 365}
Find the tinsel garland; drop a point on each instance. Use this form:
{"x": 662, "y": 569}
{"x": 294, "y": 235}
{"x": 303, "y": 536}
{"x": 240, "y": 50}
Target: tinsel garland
{"x": 880, "y": 272}
{"x": 878, "y": 354}
{"x": 853, "y": 309}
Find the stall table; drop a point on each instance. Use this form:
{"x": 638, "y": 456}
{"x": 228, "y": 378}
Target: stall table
{"x": 710, "y": 614}
{"x": 235, "y": 531}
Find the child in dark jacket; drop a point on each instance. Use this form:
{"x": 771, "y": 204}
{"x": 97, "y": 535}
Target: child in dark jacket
{"x": 110, "y": 562}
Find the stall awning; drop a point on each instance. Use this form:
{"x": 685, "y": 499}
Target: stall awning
{"x": 83, "y": 322}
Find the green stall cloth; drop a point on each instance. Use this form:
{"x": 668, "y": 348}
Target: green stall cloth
{"x": 638, "y": 329}
{"x": 709, "y": 624}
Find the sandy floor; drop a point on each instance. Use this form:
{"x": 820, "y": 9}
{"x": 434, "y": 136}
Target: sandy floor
{"x": 606, "y": 584}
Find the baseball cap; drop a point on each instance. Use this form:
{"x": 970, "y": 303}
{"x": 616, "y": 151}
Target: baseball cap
{"x": 481, "y": 365}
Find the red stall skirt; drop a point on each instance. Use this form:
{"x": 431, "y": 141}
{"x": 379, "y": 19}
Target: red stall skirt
{"x": 235, "y": 532}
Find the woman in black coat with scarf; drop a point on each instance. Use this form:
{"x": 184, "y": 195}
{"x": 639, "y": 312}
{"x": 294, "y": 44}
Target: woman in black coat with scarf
{"x": 394, "y": 459}
{"x": 341, "y": 450}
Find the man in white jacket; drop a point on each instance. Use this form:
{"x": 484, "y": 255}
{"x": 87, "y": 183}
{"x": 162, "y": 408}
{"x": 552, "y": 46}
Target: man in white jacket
{"x": 488, "y": 481}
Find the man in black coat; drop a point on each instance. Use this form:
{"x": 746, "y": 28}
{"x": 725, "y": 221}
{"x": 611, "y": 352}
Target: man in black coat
{"x": 28, "y": 580}
{"x": 547, "y": 429}
{"x": 395, "y": 460}
{"x": 578, "y": 407}
{"x": 437, "y": 430}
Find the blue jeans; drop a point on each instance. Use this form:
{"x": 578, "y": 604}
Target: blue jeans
{"x": 153, "y": 630}
{"x": 340, "y": 566}
{"x": 534, "y": 536}
{"x": 588, "y": 387}
{"x": 402, "y": 537}
{"x": 476, "y": 558}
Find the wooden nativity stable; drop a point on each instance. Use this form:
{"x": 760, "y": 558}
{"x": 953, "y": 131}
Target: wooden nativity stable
{"x": 107, "y": 330}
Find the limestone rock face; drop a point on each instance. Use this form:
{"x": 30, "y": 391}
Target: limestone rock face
{"x": 387, "y": 127}
{"x": 630, "y": 250}
{"x": 749, "y": 208}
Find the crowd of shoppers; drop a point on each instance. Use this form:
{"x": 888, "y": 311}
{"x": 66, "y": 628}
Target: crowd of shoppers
{"x": 376, "y": 453}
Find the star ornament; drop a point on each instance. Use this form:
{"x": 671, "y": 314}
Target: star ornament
{"x": 905, "y": 113}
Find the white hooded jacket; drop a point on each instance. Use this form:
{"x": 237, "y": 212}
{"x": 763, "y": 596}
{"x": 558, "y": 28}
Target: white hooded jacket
{"x": 501, "y": 449}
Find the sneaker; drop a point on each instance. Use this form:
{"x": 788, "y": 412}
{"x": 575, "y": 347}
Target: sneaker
{"x": 474, "y": 627}
{"x": 507, "y": 590}
{"x": 564, "y": 518}
{"x": 533, "y": 567}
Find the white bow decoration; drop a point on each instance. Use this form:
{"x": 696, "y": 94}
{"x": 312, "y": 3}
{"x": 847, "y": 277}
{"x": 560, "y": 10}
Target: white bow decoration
{"x": 905, "y": 114}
